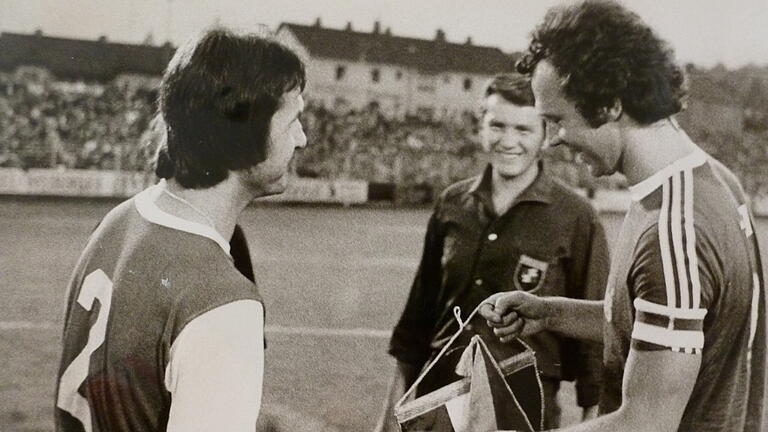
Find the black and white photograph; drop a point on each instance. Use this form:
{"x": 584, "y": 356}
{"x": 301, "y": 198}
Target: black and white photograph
{"x": 383, "y": 215}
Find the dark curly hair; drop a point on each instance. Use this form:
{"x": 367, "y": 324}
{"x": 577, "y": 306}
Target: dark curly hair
{"x": 605, "y": 52}
{"x": 217, "y": 98}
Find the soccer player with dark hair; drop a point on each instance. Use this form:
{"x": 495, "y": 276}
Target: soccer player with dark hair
{"x": 164, "y": 328}
{"x": 514, "y": 227}
{"x": 683, "y": 320}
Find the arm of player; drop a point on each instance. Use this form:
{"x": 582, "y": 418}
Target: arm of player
{"x": 668, "y": 330}
{"x": 656, "y": 389}
{"x": 215, "y": 372}
{"x": 518, "y": 313}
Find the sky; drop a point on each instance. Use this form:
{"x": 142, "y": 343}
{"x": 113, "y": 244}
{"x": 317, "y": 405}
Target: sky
{"x": 704, "y": 32}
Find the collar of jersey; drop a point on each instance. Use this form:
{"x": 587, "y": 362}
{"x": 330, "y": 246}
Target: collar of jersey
{"x": 647, "y": 186}
{"x": 539, "y": 190}
{"x": 145, "y": 205}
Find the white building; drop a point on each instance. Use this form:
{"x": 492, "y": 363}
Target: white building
{"x": 434, "y": 78}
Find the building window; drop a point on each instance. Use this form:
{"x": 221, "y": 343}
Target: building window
{"x": 375, "y": 75}
{"x": 398, "y": 75}
{"x": 340, "y": 72}
{"x": 467, "y": 83}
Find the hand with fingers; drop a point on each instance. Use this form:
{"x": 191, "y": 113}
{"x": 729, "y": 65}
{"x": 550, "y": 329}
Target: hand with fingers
{"x": 514, "y": 314}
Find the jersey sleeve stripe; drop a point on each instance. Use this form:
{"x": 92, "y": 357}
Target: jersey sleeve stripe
{"x": 670, "y": 323}
{"x": 666, "y": 257}
{"x": 676, "y": 339}
{"x": 653, "y": 319}
{"x": 690, "y": 236}
{"x": 646, "y": 346}
{"x": 677, "y": 242}
{"x": 646, "y": 306}
{"x": 678, "y": 248}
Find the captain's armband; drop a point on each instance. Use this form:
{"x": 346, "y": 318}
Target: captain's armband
{"x": 659, "y": 327}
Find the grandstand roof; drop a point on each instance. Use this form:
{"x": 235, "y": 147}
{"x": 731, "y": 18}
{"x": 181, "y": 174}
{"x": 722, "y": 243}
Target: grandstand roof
{"x": 431, "y": 56}
{"x": 81, "y": 59}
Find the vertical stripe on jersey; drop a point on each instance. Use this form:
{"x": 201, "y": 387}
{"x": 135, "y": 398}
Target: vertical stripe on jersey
{"x": 677, "y": 242}
{"x": 690, "y": 231}
{"x": 678, "y": 247}
{"x": 666, "y": 257}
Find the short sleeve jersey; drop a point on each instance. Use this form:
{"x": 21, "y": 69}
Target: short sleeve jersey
{"x": 687, "y": 277}
{"x": 136, "y": 286}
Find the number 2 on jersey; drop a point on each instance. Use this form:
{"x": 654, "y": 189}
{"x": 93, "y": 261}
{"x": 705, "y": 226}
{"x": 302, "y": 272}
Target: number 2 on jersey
{"x": 96, "y": 285}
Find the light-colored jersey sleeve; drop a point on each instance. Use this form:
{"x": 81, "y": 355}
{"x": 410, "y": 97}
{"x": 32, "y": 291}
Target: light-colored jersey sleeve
{"x": 216, "y": 369}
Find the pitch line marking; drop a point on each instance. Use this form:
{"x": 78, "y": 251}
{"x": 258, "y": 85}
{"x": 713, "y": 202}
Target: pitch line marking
{"x": 319, "y": 331}
{"x": 27, "y": 325}
{"x": 269, "y": 330}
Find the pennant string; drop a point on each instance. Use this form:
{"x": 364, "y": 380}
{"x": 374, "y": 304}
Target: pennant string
{"x": 457, "y": 314}
{"x": 462, "y": 325}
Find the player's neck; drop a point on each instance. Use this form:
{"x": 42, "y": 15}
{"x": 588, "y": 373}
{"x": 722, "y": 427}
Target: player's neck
{"x": 216, "y": 206}
{"x": 651, "y": 148}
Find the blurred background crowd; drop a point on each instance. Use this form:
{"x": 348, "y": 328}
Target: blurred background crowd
{"x": 51, "y": 123}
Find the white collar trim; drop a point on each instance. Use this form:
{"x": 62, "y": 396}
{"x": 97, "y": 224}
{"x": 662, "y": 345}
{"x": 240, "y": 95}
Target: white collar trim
{"x": 145, "y": 204}
{"x": 650, "y": 184}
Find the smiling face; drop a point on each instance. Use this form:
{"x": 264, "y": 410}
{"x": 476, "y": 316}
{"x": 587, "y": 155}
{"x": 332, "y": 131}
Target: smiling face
{"x": 600, "y": 148}
{"x": 513, "y": 136}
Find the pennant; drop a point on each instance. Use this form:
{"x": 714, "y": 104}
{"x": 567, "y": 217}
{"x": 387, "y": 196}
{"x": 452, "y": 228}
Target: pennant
{"x": 483, "y": 400}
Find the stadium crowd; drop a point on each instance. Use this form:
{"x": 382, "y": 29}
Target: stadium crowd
{"x": 47, "y": 123}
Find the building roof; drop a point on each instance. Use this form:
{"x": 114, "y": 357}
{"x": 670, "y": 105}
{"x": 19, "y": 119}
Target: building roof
{"x": 430, "y": 56}
{"x": 83, "y": 59}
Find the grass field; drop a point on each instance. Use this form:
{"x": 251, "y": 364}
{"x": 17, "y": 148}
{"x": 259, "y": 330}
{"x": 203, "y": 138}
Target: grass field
{"x": 334, "y": 281}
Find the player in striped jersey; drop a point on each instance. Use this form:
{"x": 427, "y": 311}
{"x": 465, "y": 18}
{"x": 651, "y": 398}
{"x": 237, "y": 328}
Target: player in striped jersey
{"x": 683, "y": 320}
{"x": 164, "y": 328}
